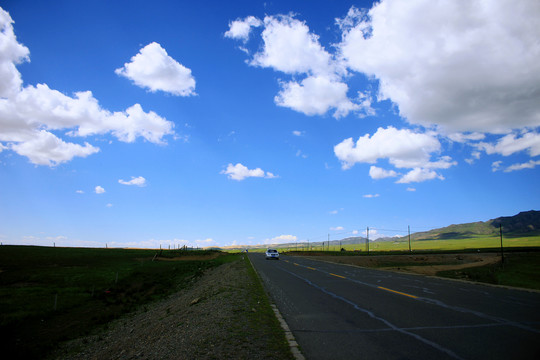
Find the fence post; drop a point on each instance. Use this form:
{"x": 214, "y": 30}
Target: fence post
{"x": 502, "y": 251}
{"x": 409, "y": 228}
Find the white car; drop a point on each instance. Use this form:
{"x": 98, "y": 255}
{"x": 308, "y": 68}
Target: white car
{"x": 272, "y": 254}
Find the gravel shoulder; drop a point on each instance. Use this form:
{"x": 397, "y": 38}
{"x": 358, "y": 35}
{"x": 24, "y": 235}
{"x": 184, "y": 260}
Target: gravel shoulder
{"x": 221, "y": 315}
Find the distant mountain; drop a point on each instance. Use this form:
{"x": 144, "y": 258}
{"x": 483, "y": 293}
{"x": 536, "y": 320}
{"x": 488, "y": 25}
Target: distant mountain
{"x": 525, "y": 223}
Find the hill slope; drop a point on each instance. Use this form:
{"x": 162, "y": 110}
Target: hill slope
{"x": 525, "y": 223}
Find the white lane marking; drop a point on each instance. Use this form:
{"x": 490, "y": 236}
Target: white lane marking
{"x": 372, "y": 315}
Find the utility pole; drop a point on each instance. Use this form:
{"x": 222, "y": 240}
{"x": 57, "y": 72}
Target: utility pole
{"x": 367, "y": 239}
{"x": 502, "y": 251}
{"x": 409, "y": 227}
{"x": 328, "y": 245}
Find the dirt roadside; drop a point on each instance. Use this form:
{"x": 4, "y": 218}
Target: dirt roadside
{"x": 212, "y": 319}
{"x": 428, "y": 264}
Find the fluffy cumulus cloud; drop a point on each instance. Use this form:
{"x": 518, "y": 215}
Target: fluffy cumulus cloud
{"x": 154, "y": 69}
{"x": 401, "y": 148}
{"x": 511, "y": 143}
{"x": 136, "y": 181}
{"x": 461, "y": 70}
{"x": 11, "y": 53}
{"x": 419, "y": 175}
{"x": 316, "y": 95}
{"x": 461, "y": 66}
{"x": 44, "y": 148}
{"x": 288, "y": 46}
{"x": 99, "y": 190}
{"x": 241, "y": 28}
{"x": 240, "y": 172}
{"x": 379, "y": 173}
{"x": 34, "y": 118}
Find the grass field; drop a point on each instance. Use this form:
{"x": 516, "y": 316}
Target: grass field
{"x": 48, "y": 295}
{"x": 518, "y": 269}
{"x": 473, "y": 243}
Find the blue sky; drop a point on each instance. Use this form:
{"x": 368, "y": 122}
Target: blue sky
{"x": 210, "y": 123}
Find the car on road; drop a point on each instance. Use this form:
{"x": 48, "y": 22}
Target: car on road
{"x": 272, "y": 254}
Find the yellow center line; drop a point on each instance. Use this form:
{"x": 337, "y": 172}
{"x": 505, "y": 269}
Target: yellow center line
{"x": 339, "y": 276}
{"x": 310, "y": 268}
{"x": 398, "y": 292}
{"x": 296, "y": 264}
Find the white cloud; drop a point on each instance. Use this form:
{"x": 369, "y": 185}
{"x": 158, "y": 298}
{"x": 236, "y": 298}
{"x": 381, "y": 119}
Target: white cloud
{"x": 475, "y": 155}
{"x": 33, "y": 108}
{"x": 298, "y": 133}
{"x": 496, "y": 166}
{"x": 288, "y": 46}
{"x": 240, "y": 172}
{"x": 379, "y": 173}
{"x": 462, "y": 66}
{"x": 32, "y": 117}
{"x": 337, "y": 228}
{"x": 370, "y": 196}
{"x": 403, "y": 149}
{"x": 154, "y": 69}
{"x": 510, "y": 144}
{"x": 281, "y": 239}
{"x": 11, "y": 53}
{"x": 241, "y": 28}
{"x": 138, "y": 181}
{"x": 109, "y": 205}
{"x": 373, "y": 234}
{"x": 79, "y": 192}
{"x": 99, "y": 190}
{"x": 531, "y": 164}
{"x": 44, "y": 148}
{"x": 419, "y": 175}
{"x": 316, "y": 95}
{"x": 465, "y": 137}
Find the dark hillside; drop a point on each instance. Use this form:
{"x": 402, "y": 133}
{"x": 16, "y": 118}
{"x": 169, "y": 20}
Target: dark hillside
{"x": 525, "y": 222}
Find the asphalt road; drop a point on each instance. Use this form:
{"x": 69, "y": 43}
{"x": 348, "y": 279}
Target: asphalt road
{"x": 343, "y": 312}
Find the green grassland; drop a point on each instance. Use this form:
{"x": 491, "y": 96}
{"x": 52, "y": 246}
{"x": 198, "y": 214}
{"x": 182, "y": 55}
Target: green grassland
{"x": 474, "y": 242}
{"x": 48, "y": 295}
{"x": 519, "y": 270}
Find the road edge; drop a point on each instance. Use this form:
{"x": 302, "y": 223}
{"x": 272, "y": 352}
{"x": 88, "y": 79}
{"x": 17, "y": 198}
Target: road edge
{"x": 430, "y": 276}
{"x": 293, "y": 345}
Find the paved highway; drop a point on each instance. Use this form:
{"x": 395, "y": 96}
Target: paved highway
{"x": 343, "y": 312}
